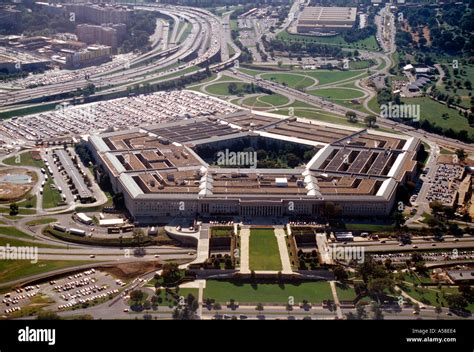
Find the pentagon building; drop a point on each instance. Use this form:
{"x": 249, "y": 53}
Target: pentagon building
{"x": 162, "y": 175}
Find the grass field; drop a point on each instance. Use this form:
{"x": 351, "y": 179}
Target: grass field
{"x": 168, "y": 300}
{"x": 23, "y": 243}
{"x": 21, "y": 211}
{"x": 433, "y": 111}
{"x": 368, "y": 227}
{"x": 360, "y": 65}
{"x": 222, "y": 231}
{"x": 369, "y": 43}
{"x": 264, "y": 253}
{"x": 222, "y": 88}
{"x": 29, "y": 202}
{"x": 293, "y": 80}
{"x": 345, "y": 293}
{"x": 24, "y": 159}
{"x": 16, "y": 269}
{"x": 254, "y": 102}
{"x": 337, "y": 93}
{"x": 43, "y": 221}
{"x": 224, "y": 291}
{"x": 467, "y": 75}
{"x": 51, "y": 197}
{"x": 333, "y": 76}
{"x": 13, "y": 231}
{"x": 275, "y": 99}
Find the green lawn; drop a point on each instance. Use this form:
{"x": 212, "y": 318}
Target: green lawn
{"x": 338, "y": 93}
{"x": 333, "y": 76}
{"x": 24, "y": 159}
{"x": 222, "y": 88}
{"x": 467, "y": 75}
{"x": 293, "y": 80}
{"x": 43, "y": 221}
{"x": 433, "y": 111}
{"x": 369, "y": 227}
{"x": 360, "y": 65}
{"x": 21, "y": 211}
{"x": 431, "y": 295}
{"x": 369, "y": 43}
{"x": 51, "y": 197}
{"x": 345, "y": 293}
{"x": 13, "y": 231}
{"x": 222, "y": 231}
{"x": 264, "y": 253}
{"x": 29, "y": 202}
{"x": 254, "y": 102}
{"x": 275, "y": 99}
{"x": 168, "y": 300}
{"x": 22, "y": 243}
{"x": 224, "y": 291}
{"x": 16, "y": 269}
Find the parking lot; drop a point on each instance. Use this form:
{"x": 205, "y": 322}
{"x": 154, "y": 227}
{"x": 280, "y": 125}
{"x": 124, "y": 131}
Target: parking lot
{"x": 445, "y": 183}
{"x": 118, "y": 113}
{"x": 71, "y": 291}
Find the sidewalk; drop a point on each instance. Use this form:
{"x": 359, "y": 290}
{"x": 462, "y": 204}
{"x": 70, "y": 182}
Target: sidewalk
{"x": 282, "y": 247}
{"x": 244, "y": 250}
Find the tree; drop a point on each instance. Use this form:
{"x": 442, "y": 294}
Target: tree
{"x": 232, "y": 88}
{"x": 438, "y": 310}
{"x": 456, "y": 301}
{"x": 14, "y": 209}
{"x": 259, "y": 307}
{"x": 461, "y": 154}
{"x": 340, "y": 273}
{"x": 378, "y": 315}
{"x": 370, "y": 120}
{"x": 416, "y": 308}
{"x": 289, "y": 308}
{"x": 136, "y": 295}
{"x": 170, "y": 272}
{"x": 361, "y": 312}
{"x": 217, "y": 307}
{"x": 118, "y": 200}
{"x": 351, "y": 116}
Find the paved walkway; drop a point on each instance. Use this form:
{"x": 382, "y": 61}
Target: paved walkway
{"x": 282, "y": 247}
{"x": 323, "y": 248}
{"x": 244, "y": 250}
{"x": 336, "y": 300}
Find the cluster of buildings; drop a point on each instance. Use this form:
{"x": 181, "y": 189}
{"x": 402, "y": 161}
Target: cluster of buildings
{"x": 159, "y": 169}
{"x": 39, "y": 53}
{"x": 100, "y": 30}
{"x": 419, "y": 77}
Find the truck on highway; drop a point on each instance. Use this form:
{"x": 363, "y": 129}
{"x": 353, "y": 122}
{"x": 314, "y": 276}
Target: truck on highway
{"x": 77, "y": 232}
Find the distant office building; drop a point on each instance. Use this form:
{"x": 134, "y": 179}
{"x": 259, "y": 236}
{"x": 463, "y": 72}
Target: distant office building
{"x": 16, "y": 61}
{"x": 51, "y": 8}
{"x": 92, "y": 55}
{"x": 111, "y": 35}
{"x": 326, "y": 19}
{"x": 98, "y": 14}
